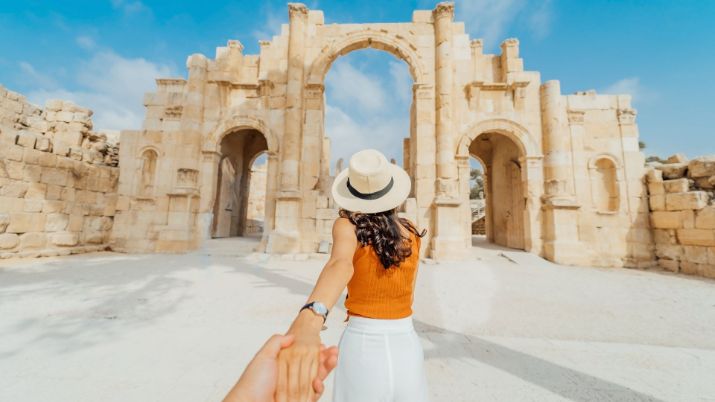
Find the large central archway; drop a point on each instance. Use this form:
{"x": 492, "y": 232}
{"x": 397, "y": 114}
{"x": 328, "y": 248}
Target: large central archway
{"x": 422, "y": 104}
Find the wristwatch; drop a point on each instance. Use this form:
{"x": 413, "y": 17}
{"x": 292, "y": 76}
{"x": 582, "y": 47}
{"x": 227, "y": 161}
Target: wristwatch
{"x": 319, "y": 309}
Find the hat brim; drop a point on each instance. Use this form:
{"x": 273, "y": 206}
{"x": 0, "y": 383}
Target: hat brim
{"x": 394, "y": 198}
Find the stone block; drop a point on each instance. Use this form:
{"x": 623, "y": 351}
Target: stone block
{"x": 43, "y": 144}
{"x": 4, "y": 221}
{"x": 32, "y": 156}
{"x": 51, "y": 206}
{"x": 677, "y": 158}
{"x": 60, "y": 148}
{"x": 676, "y": 186}
{"x": 707, "y": 270}
{"x": 656, "y": 188}
{"x": 656, "y": 202}
{"x": 11, "y": 204}
{"x": 32, "y": 205}
{"x": 690, "y": 268}
{"x": 689, "y": 200}
{"x": 9, "y": 240}
{"x": 698, "y": 254}
{"x": 669, "y": 265}
{"x": 31, "y": 173}
{"x": 21, "y": 222}
{"x": 33, "y": 240}
{"x": 703, "y": 166}
{"x": 665, "y": 220}
{"x": 26, "y": 139}
{"x": 696, "y": 237}
{"x": 36, "y": 191}
{"x": 76, "y": 223}
{"x": 654, "y": 175}
{"x": 664, "y": 236}
{"x": 705, "y": 183}
{"x": 64, "y": 238}
{"x": 711, "y": 255}
{"x": 705, "y": 218}
{"x": 54, "y": 176}
{"x": 56, "y": 222}
{"x": 13, "y": 170}
{"x": 688, "y": 218}
{"x": 54, "y": 192}
{"x": 669, "y": 251}
{"x": 14, "y": 189}
{"x": 673, "y": 170}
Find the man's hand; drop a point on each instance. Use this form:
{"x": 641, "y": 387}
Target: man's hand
{"x": 258, "y": 381}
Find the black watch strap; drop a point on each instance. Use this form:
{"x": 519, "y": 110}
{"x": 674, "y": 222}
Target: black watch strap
{"x": 309, "y": 305}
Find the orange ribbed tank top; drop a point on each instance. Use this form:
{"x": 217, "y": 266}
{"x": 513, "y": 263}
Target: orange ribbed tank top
{"x": 376, "y": 292}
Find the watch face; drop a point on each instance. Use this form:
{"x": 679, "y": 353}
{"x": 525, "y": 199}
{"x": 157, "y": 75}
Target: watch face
{"x": 320, "y": 308}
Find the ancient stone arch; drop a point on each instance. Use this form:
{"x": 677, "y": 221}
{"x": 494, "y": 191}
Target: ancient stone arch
{"x": 237, "y": 123}
{"x": 382, "y": 39}
{"x": 459, "y": 93}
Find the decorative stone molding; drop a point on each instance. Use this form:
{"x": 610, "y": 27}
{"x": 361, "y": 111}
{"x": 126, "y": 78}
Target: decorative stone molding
{"x": 576, "y": 116}
{"x": 627, "y": 116}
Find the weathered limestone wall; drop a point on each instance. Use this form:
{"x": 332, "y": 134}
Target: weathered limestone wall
{"x": 57, "y": 179}
{"x": 682, "y": 214}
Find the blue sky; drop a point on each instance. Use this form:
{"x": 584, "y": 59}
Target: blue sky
{"x": 104, "y": 54}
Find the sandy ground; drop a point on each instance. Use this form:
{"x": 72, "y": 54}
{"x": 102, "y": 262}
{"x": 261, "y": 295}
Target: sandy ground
{"x": 504, "y": 326}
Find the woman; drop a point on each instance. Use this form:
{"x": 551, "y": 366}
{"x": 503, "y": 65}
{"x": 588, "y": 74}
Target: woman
{"x": 375, "y": 254}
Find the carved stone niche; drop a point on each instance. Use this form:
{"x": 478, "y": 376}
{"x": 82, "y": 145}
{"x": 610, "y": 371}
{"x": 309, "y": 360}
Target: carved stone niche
{"x": 187, "y": 178}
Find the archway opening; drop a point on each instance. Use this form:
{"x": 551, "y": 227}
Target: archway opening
{"x": 500, "y": 158}
{"x": 368, "y": 103}
{"x": 239, "y": 206}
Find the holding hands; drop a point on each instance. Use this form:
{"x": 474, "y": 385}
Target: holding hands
{"x": 261, "y": 380}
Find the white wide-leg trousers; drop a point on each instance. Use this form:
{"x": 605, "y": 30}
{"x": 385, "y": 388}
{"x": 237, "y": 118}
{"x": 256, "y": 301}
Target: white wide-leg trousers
{"x": 380, "y": 361}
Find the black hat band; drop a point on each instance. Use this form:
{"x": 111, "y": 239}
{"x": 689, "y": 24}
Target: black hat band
{"x": 371, "y": 196}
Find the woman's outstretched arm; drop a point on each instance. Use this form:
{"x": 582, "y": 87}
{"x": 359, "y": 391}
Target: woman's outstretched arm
{"x": 298, "y": 364}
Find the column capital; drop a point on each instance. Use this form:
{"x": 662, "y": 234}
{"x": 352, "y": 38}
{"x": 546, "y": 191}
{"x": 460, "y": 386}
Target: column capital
{"x": 444, "y": 9}
{"x": 626, "y": 116}
{"x": 297, "y": 10}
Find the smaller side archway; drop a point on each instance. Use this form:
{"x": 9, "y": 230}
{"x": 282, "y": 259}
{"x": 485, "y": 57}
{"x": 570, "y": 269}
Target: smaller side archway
{"x": 507, "y": 154}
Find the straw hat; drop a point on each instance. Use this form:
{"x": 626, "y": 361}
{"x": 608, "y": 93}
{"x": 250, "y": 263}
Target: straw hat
{"x": 370, "y": 184}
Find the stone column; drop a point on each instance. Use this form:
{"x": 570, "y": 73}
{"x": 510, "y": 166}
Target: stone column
{"x": 443, "y": 15}
{"x": 285, "y": 236}
{"x": 448, "y": 242}
{"x": 560, "y": 231}
{"x": 290, "y": 161}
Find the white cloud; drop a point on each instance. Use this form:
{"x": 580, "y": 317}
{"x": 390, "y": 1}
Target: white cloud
{"x": 348, "y": 135}
{"x": 489, "y": 19}
{"x": 350, "y": 86}
{"x": 31, "y": 75}
{"x": 540, "y": 19}
{"x": 402, "y": 80}
{"x": 85, "y": 42}
{"x": 272, "y": 24}
{"x": 129, "y": 7}
{"x": 112, "y": 86}
{"x": 633, "y": 87}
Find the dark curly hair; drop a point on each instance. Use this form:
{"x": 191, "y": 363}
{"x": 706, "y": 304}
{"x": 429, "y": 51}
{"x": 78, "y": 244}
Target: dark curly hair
{"x": 382, "y": 231}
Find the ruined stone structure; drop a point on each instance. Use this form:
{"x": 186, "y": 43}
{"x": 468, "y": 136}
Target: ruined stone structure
{"x": 563, "y": 173}
{"x": 564, "y": 176}
{"x": 683, "y": 214}
{"x": 58, "y": 179}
